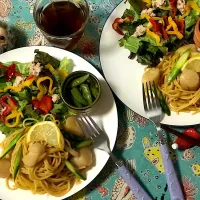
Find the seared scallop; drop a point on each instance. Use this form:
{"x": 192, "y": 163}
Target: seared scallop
{"x": 189, "y": 80}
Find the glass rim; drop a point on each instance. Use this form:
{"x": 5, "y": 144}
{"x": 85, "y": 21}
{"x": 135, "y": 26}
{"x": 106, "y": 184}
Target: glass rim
{"x": 66, "y": 36}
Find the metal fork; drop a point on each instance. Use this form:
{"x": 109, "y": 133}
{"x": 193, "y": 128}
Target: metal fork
{"x": 101, "y": 141}
{"x": 154, "y": 112}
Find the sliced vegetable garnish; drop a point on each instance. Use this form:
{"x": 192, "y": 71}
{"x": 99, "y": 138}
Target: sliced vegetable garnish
{"x": 178, "y": 65}
{"x": 76, "y": 172}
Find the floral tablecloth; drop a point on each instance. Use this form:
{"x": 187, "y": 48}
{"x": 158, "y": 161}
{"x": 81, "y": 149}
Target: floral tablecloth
{"x": 137, "y": 142}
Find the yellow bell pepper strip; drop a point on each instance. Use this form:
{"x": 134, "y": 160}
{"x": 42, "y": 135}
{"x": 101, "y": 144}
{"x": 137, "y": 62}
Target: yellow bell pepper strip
{"x": 194, "y": 5}
{"x": 61, "y": 73}
{"x": 14, "y": 115}
{"x": 175, "y": 28}
{"x": 50, "y": 68}
{"x": 154, "y": 36}
{"x": 41, "y": 88}
{"x": 148, "y": 2}
{"x": 26, "y": 83}
{"x": 145, "y": 16}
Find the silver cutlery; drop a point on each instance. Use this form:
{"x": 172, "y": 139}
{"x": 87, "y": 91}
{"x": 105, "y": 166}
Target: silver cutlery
{"x": 101, "y": 141}
{"x": 154, "y": 112}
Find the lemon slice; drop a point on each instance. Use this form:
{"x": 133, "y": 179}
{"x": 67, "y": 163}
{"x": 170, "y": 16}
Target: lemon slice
{"x": 192, "y": 63}
{"x": 46, "y": 131}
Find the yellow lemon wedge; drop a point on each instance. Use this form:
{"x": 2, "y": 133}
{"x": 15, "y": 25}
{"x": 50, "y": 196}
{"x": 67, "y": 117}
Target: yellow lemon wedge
{"x": 192, "y": 63}
{"x": 46, "y": 131}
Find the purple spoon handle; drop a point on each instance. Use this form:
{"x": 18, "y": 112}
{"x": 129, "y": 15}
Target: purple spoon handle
{"x": 133, "y": 184}
{"x": 172, "y": 180}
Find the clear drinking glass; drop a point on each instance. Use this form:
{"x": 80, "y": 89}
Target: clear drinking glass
{"x": 61, "y": 21}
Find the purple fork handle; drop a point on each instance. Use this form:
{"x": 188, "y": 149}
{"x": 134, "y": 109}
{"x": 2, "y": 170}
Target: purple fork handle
{"x": 172, "y": 180}
{"x": 135, "y": 187}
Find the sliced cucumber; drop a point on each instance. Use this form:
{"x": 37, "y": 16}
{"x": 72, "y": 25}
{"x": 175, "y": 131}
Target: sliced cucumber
{"x": 74, "y": 171}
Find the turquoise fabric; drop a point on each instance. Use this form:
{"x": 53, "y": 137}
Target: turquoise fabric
{"x": 137, "y": 140}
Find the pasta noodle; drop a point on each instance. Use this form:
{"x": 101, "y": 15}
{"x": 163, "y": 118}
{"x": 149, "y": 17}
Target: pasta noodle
{"x": 50, "y": 176}
{"x": 178, "y": 100}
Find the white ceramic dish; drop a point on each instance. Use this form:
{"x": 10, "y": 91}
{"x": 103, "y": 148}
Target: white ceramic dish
{"x": 124, "y": 75}
{"x": 104, "y": 112}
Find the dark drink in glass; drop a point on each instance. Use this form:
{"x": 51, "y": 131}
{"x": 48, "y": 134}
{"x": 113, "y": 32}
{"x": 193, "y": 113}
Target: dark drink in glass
{"x": 61, "y": 22}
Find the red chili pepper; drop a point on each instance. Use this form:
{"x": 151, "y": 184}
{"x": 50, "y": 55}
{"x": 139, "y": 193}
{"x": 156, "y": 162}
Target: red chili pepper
{"x": 184, "y": 144}
{"x": 116, "y": 24}
{"x": 173, "y": 4}
{"x": 164, "y": 32}
{"x": 44, "y": 105}
{"x": 156, "y": 26}
{"x": 8, "y": 104}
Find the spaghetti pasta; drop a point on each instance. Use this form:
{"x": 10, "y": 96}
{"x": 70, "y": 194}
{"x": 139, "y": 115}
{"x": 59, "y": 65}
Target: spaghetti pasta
{"x": 48, "y": 173}
{"x": 50, "y": 176}
{"x": 178, "y": 99}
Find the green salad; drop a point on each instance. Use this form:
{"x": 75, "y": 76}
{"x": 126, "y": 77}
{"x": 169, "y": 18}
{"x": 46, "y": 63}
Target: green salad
{"x": 31, "y": 90}
{"x": 152, "y": 28}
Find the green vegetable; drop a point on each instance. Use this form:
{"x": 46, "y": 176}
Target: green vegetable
{"x": 163, "y": 103}
{"x": 74, "y": 171}
{"x": 4, "y": 84}
{"x": 84, "y": 143}
{"x": 93, "y": 87}
{"x": 79, "y": 80}
{"x": 59, "y": 108}
{"x": 22, "y": 104}
{"x": 30, "y": 112}
{"x": 78, "y": 96}
{"x": 44, "y": 58}
{"x": 17, "y": 162}
{"x": 11, "y": 144}
{"x": 136, "y": 7}
{"x": 66, "y": 65}
{"x": 178, "y": 65}
{"x": 7, "y": 130}
{"x": 76, "y": 103}
{"x": 86, "y": 92}
{"x": 25, "y": 94}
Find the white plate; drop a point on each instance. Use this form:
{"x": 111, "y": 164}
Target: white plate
{"x": 104, "y": 113}
{"x": 124, "y": 75}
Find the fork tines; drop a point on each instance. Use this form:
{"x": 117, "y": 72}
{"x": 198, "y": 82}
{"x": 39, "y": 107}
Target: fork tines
{"x": 150, "y": 96}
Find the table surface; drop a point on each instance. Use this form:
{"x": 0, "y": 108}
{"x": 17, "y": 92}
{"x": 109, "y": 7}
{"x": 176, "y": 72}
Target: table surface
{"x": 137, "y": 142}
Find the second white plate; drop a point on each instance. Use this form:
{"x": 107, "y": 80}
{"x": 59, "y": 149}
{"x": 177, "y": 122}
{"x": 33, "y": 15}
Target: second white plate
{"x": 124, "y": 75}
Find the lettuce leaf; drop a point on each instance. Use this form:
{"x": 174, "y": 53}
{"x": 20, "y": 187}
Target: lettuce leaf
{"x": 136, "y": 7}
{"x": 59, "y": 108}
{"x": 66, "y": 65}
{"x": 22, "y": 68}
{"x": 6, "y": 130}
{"x": 132, "y": 44}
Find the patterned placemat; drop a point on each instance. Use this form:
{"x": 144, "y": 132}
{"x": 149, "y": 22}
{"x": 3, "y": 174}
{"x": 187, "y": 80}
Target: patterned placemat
{"x": 137, "y": 142}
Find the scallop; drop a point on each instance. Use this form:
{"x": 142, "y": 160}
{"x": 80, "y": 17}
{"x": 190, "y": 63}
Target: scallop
{"x": 71, "y": 125}
{"x": 84, "y": 159}
{"x": 152, "y": 74}
{"x": 189, "y": 80}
